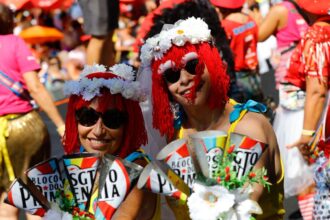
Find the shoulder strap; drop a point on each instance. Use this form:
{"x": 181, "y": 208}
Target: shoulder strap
{"x": 238, "y": 113}
{"x": 15, "y": 86}
{"x": 139, "y": 154}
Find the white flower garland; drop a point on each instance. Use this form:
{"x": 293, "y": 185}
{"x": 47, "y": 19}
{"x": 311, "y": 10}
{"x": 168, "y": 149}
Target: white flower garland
{"x": 192, "y": 30}
{"x": 90, "y": 88}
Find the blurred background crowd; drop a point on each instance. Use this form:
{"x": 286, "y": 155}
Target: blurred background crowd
{"x": 55, "y": 32}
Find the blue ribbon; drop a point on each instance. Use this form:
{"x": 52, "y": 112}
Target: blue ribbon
{"x": 250, "y": 105}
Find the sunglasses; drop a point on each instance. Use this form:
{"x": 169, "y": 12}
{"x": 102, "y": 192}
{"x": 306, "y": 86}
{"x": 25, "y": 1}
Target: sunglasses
{"x": 172, "y": 75}
{"x": 112, "y": 118}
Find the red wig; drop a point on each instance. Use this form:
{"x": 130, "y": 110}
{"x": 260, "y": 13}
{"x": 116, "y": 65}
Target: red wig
{"x": 135, "y": 133}
{"x": 209, "y": 55}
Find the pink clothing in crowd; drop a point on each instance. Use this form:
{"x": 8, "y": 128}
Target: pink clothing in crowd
{"x": 294, "y": 30}
{"x": 16, "y": 59}
{"x": 286, "y": 37}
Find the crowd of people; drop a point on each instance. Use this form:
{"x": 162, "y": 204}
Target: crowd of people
{"x": 189, "y": 66}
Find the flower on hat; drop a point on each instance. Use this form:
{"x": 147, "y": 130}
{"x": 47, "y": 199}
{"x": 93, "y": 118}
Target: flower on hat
{"x": 124, "y": 71}
{"x": 192, "y": 30}
{"x": 123, "y": 84}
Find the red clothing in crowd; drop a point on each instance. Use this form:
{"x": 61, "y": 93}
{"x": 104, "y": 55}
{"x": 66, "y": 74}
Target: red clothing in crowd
{"x": 312, "y": 59}
{"x": 243, "y": 41}
{"x": 316, "y": 43}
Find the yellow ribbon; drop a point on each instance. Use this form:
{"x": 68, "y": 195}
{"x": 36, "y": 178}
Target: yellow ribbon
{"x": 4, "y": 156}
{"x": 233, "y": 126}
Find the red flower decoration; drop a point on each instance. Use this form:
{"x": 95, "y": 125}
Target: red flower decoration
{"x": 231, "y": 149}
{"x": 251, "y": 175}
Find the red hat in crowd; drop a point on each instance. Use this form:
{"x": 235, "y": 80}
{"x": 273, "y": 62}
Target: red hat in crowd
{"x": 232, "y": 4}
{"x": 318, "y": 7}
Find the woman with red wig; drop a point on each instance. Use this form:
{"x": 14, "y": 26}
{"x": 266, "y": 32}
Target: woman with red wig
{"x": 189, "y": 94}
{"x": 104, "y": 117}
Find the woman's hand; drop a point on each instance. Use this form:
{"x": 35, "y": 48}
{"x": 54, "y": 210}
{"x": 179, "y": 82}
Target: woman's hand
{"x": 303, "y": 145}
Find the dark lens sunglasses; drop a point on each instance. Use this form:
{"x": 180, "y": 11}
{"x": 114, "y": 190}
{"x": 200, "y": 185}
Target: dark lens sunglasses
{"x": 112, "y": 118}
{"x": 173, "y": 75}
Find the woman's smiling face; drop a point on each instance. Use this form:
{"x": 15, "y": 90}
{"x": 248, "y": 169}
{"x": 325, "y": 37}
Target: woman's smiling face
{"x": 188, "y": 82}
{"x": 99, "y": 138}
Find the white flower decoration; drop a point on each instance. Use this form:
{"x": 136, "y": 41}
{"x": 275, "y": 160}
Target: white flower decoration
{"x": 193, "y": 30}
{"x": 90, "y": 88}
{"x": 217, "y": 203}
{"x": 116, "y": 86}
{"x": 128, "y": 91}
{"x": 207, "y": 203}
{"x": 56, "y": 213}
{"x": 123, "y": 71}
{"x": 93, "y": 69}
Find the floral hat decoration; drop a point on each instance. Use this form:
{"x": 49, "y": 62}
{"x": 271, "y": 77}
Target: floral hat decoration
{"x": 124, "y": 83}
{"x": 182, "y": 40}
{"x": 192, "y": 30}
{"x": 116, "y": 84}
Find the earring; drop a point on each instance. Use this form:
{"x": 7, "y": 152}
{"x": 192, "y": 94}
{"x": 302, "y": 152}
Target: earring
{"x": 177, "y": 115}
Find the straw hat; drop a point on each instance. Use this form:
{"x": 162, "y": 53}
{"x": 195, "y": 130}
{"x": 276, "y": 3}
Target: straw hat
{"x": 319, "y": 7}
{"x": 232, "y": 4}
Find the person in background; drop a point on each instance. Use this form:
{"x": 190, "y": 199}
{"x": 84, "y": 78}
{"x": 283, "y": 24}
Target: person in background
{"x": 24, "y": 139}
{"x": 242, "y": 32}
{"x": 100, "y": 21}
{"x": 288, "y": 23}
{"x": 76, "y": 58}
{"x": 106, "y": 119}
{"x": 309, "y": 70}
{"x": 54, "y": 77}
{"x": 189, "y": 94}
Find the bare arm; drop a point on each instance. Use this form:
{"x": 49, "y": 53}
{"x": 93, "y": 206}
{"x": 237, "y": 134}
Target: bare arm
{"x": 272, "y": 22}
{"x": 138, "y": 205}
{"x": 316, "y": 90}
{"x": 129, "y": 209}
{"x": 42, "y": 97}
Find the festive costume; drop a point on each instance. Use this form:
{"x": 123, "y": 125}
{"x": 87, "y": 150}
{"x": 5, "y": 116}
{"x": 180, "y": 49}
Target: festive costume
{"x": 311, "y": 59}
{"x": 126, "y": 93}
{"x": 166, "y": 57}
{"x": 243, "y": 42}
{"x": 271, "y": 202}
{"x": 91, "y": 186}
{"x": 287, "y": 38}
{"x": 24, "y": 138}
{"x": 243, "y": 38}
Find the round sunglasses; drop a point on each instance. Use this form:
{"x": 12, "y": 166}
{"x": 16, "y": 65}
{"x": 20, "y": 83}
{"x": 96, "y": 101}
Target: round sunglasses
{"x": 112, "y": 118}
{"x": 172, "y": 75}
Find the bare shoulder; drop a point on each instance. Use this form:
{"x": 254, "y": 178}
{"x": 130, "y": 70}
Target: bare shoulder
{"x": 278, "y": 9}
{"x": 256, "y": 126}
